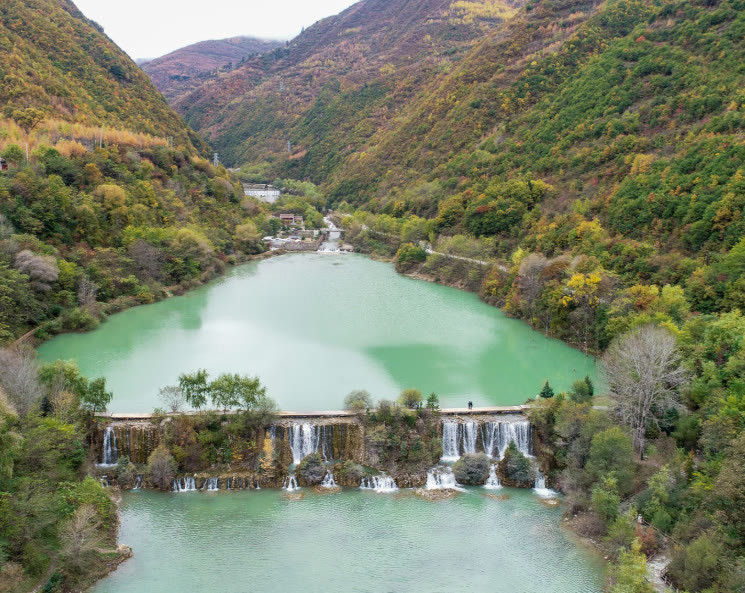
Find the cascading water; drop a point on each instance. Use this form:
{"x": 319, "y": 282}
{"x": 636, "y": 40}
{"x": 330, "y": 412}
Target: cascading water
{"x": 450, "y": 441}
{"x": 492, "y": 482}
{"x": 138, "y": 482}
{"x": 381, "y": 483}
{"x": 459, "y": 438}
{"x": 441, "y": 478}
{"x": 501, "y": 434}
{"x": 110, "y": 452}
{"x": 308, "y": 438}
{"x": 539, "y": 486}
{"x": 211, "y": 484}
{"x": 290, "y": 484}
{"x": 185, "y": 484}
{"x": 328, "y": 481}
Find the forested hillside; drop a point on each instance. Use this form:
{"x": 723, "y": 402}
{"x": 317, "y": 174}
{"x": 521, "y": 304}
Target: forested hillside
{"x": 581, "y": 166}
{"x": 340, "y": 80}
{"x": 56, "y": 60}
{"x": 106, "y": 201}
{"x": 183, "y": 70}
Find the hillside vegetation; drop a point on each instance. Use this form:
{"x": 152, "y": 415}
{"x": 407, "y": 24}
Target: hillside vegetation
{"x": 183, "y": 70}
{"x": 348, "y": 73}
{"x": 579, "y": 164}
{"x": 56, "y": 60}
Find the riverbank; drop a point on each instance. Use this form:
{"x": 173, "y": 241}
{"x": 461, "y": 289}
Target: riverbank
{"x": 98, "y": 312}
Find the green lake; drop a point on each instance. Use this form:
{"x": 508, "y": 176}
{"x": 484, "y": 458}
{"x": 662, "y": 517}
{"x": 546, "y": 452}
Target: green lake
{"x": 314, "y": 327}
{"x": 353, "y": 541}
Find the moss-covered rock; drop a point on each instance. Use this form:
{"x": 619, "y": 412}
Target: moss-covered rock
{"x": 472, "y": 469}
{"x": 311, "y": 470}
{"x": 515, "y": 469}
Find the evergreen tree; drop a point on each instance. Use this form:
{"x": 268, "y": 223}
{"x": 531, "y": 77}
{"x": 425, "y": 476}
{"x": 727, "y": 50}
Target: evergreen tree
{"x": 547, "y": 391}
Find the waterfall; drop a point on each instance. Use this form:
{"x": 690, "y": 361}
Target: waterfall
{"x": 381, "y": 483}
{"x": 306, "y": 439}
{"x": 492, "y": 482}
{"x": 459, "y": 438}
{"x": 470, "y": 437}
{"x": 441, "y": 478}
{"x": 499, "y": 434}
{"x": 450, "y": 444}
{"x": 104, "y": 481}
{"x": 290, "y": 483}
{"x": 110, "y": 452}
{"x": 185, "y": 484}
{"x": 328, "y": 481}
{"x": 539, "y": 486}
{"x": 258, "y": 486}
{"x": 138, "y": 482}
{"x": 211, "y": 484}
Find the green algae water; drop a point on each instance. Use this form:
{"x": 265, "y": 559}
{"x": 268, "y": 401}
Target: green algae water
{"x": 353, "y": 541}
{"x": 314, "y": 327}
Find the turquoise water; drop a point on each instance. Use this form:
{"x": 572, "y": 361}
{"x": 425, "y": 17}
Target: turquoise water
{"x": 356, "y": 541}
{"x": 314, "y": 327}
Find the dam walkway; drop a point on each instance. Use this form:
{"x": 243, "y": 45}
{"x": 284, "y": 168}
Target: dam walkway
{"x": 335, "y": 413}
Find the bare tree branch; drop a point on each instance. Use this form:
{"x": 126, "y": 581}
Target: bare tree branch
{"x": 644, "y": 373}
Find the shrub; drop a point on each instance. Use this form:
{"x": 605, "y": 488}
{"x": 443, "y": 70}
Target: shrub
{"x": 311, "y": 470}
{"x": 546, "y": 391}
{"x": 411, "y": 398}
{"x": 472, "y": 468}
{"x": 161, "y": 468}
{"x": 581, "y": 391}
{"x": 125, "y": 472}
{"x": 351, "y": 472}
{"x": 358, "y": 400}
{"x": 409, "y": 256}
{"x": 605, "y": 499}
{"x": 515, "y": 469}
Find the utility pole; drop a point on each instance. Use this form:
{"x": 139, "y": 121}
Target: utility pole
{"x": 216, "y": 159}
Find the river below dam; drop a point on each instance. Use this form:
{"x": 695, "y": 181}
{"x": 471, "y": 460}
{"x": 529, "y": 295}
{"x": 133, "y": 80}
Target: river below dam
{"x": 314, "y": 327}
{"x": 502, "y": 541}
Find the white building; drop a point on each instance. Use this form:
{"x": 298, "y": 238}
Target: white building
{"x": 265, "y": 193}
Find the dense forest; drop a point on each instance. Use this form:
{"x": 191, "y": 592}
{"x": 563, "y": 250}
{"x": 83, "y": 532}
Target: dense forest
{"x": 576, "y": 163}
{"x": 579, "y": 166}
{"x": 106, "y": 202}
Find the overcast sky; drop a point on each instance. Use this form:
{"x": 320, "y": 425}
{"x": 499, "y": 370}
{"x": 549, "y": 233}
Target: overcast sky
{"x": 152, "y": 28}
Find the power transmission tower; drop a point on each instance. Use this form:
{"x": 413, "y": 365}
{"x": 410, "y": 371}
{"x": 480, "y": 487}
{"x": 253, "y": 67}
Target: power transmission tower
{"x": 216, "y": 159}
{"x": 289, "y": 147}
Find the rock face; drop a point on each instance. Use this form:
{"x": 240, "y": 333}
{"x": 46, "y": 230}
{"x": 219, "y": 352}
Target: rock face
{"x": 136, "y": 440}
{"x": 267, "y": 453}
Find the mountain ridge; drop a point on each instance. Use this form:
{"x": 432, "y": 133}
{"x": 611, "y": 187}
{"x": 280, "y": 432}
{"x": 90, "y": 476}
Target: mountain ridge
{"x": 182, "y": 70}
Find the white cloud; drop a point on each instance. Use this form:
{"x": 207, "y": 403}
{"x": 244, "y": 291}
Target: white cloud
{"x": 151, "y": 28}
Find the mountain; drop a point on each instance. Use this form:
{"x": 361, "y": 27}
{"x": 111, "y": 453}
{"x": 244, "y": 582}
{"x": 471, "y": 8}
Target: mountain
{"x": 107, "y": 200}
{"x": 369, "y": 61}
{"x": 181, "y": 71}
{"x": 57, "y": 60}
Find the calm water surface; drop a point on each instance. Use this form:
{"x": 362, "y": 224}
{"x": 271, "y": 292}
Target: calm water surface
{"x": 315, "y": 327}
{"x": 354, "y": 541}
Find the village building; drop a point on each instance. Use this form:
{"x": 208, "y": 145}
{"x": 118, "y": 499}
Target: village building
{"x": 264, "y": 192}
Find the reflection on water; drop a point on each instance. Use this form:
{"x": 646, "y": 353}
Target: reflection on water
{"x": 316, "y": 326}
